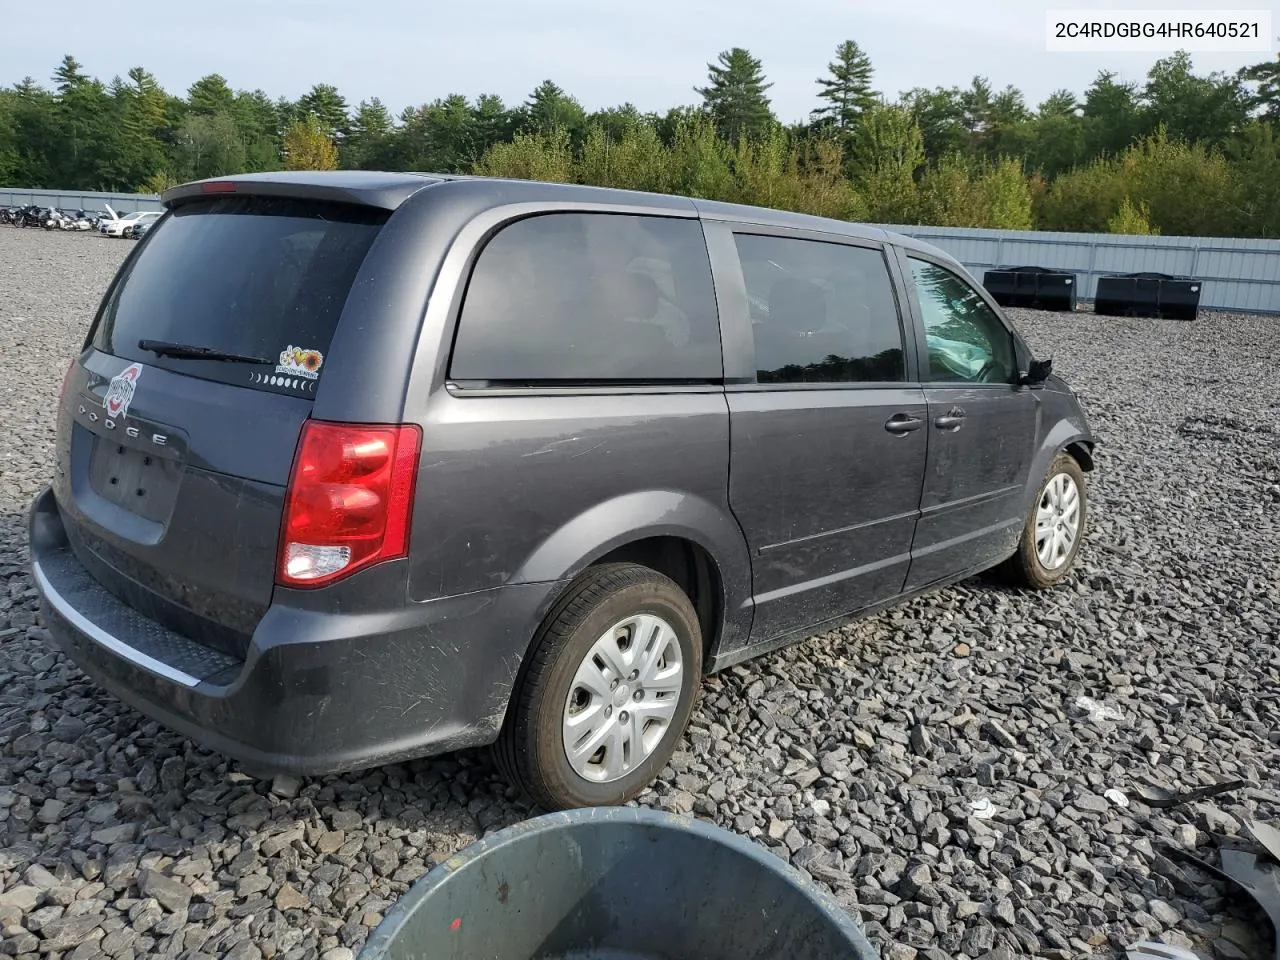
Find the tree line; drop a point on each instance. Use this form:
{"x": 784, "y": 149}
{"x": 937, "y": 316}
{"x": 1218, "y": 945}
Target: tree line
{"x": 1180, "y": 153}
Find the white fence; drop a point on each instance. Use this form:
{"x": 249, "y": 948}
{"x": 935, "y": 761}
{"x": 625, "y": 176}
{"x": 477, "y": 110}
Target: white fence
{"x": 1235, "y": 274}
{"x": 1239, "y": 275}
{"x": 78, "y": 199}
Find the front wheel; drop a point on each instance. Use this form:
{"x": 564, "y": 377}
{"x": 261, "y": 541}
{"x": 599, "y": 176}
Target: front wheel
{"x": 1054, "y": 529}
{"x": 609, "y": 686}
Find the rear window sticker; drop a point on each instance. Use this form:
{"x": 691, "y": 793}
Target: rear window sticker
{"x": 298, "y": 362}
{"x": 275, "y": 380}
{"x": 120, "y": 391}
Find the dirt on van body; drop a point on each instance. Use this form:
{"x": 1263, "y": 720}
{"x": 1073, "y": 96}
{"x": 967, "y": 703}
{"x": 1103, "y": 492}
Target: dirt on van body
{"x": 937, "y": 766}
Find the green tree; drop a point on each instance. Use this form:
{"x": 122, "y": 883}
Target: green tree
{"x": 209, "y": 146}
{"x": 550, "y": 108}
{"x": 846, "y": 92}
{"x": 805, "y": 178}
{"x": 1083, "y": 199}
{"x": 635, "y": 159}
{"x": 940, "y": 115}
{"x": 546, "y": 156}
{"x": 1057, "y": 140}
{"x": 1060, "y": 103}
{"x": 286, "y": 111}
{"x": 10, "y": 162}
{"x": 1197, "y": 109}
{"x": 1263, "y": 84}
{"x": 1189, "y": 187}
{"x": 1008, "y": 129}
{"x": 947, "y": 194}
{"x": 1192, "y": 153}
{"x": 309, "y": 145}
{"x": 735, "y": 97}
{"x": 1004, "y": 196}
{"x": 1112, "y": 119}
{"x": 1132, "y": 220}
{"x": 617, "y": 122}
{"x": 210, "y": 95}
{"x": 258, "y": 120}
{"x": 439, "y": 137}
{"x": 700, "y": 159}
{"x": 886, "y": 157}
{"x": 37, "y": 135}
{"x": 328, "y": 106}
{"x": 89, "y": 126}
{"x": 975, "y": 104}
{"x": 822, "y": 189}
{"x": 494, "y": 122}
{"x": 369, "y": 137}
{"x": 1255, "y": 161}
{"x": 256, "y": 115}
{"x": 678, "y": 118}
{"x": 143, "y": 129}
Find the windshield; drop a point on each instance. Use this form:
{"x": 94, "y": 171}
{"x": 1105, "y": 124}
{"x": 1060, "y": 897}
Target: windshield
{"x": 255, "y": 277}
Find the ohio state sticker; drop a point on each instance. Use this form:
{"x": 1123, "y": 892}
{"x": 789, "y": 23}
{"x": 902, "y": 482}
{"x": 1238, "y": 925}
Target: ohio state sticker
{"x": 120, "y": 391}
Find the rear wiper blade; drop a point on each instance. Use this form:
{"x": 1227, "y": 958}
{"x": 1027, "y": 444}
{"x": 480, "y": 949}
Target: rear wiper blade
{"x": 166, "y": 348}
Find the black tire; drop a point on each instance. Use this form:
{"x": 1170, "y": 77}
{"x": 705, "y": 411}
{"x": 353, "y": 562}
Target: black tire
{"x": 1024, "y": 568}
{"x": 530, "y": 750}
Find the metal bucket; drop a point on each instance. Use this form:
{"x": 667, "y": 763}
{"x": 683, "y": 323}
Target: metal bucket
{"x": 616, "y": 883}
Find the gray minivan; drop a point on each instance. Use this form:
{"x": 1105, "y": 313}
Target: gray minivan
{"x": 359, "y": 467}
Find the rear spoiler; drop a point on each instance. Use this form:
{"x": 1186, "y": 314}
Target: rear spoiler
{"x": 385, "y": 191}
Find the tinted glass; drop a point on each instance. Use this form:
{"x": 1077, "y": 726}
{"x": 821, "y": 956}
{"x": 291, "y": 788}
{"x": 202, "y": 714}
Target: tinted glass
{"x": 575, "y": 297}
{"x": 249, "y": 276}
{"x": 966, "y": 340}
{"x": 820, "y": 312}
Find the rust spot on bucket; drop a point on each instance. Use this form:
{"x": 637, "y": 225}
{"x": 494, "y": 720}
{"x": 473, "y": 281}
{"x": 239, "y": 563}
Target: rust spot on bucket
{"x": 504, "y": 890}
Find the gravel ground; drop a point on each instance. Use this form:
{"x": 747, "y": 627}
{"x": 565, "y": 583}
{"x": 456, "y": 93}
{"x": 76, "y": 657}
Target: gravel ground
{"x": 858, "y": 755}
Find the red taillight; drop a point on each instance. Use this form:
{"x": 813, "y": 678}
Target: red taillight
{"x": 218, "y": 186}
{"x": 349, "y": 500}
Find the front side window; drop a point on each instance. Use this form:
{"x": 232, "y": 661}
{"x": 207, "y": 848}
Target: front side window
{"x": 820, "y": 312}
{"x": 587, "y": 298}
{"x": 966, "y": 340}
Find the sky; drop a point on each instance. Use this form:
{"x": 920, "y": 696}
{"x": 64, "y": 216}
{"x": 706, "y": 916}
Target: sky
{"x": 604, "y": 52}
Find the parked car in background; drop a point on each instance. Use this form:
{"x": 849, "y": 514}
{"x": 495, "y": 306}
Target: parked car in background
{"x": 138, "y": 229}
{"x": 358, "y": 467}
{"x": 117, "y": 227}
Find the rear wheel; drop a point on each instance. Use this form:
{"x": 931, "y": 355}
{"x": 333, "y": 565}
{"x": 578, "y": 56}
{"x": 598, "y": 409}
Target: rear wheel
{"x": 1053, "y": 531}
{"x": 608, "y": 689}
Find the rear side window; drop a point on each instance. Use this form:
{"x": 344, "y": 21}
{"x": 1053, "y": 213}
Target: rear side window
{"x": 820, "y": 312}
{"x": 256, "y": 277}
{"x": 588, "y": 298}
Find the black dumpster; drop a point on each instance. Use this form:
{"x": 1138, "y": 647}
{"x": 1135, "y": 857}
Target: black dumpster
{"x": 1040, "y": 287}
{"x": 1148, "y": 295}
{"x": 616, "y": 883}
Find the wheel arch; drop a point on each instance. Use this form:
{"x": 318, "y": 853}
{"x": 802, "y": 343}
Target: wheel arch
{"x": 1066, "y": 436}
{"x": 1082, "y": 452}
{"x": 687, "y": 538}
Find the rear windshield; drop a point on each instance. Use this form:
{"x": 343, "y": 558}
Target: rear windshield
{"x": 262, "y": 279}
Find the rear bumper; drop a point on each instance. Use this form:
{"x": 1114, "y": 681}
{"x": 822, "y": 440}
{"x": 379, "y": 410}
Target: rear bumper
{"x": 318, "y": 691}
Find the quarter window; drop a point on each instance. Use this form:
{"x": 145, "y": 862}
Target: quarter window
{"x": 966, "y": 340}
{"x": 820, "y": 312}
{"x": 588, "y": 297}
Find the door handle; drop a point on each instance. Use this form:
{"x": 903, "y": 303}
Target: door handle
{"x": 952, "y": 420}
{"x": 903, "y": 423}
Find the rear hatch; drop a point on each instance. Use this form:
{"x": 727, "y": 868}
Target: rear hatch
{"x": 180, "y": 422}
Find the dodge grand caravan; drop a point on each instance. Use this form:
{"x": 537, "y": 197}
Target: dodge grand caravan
{"x": 360, "y": 467}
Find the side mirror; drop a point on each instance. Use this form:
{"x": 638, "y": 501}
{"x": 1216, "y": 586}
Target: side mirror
{"x": 1037, "y": 373}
